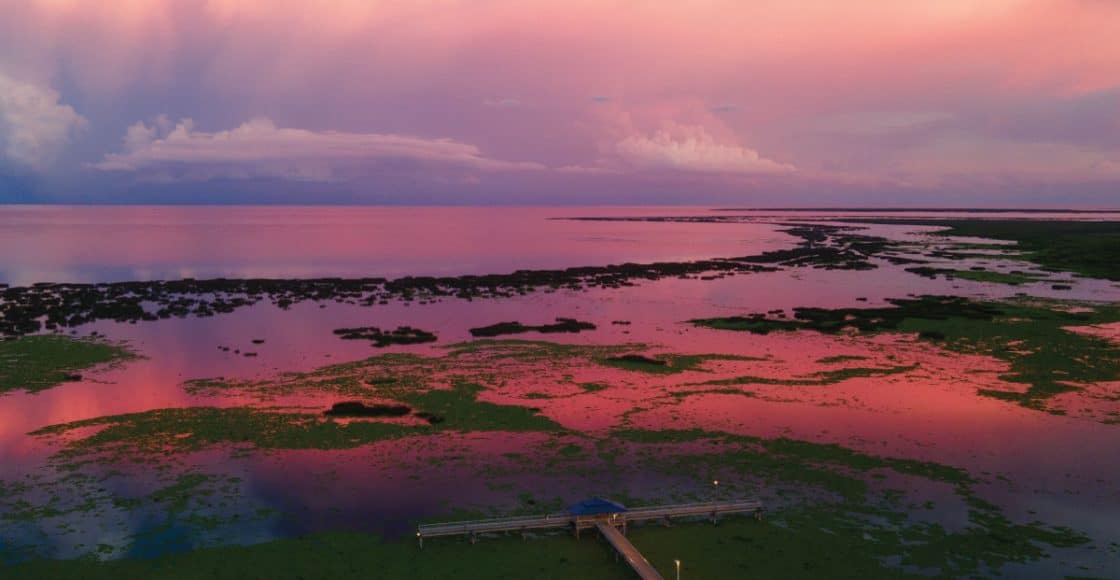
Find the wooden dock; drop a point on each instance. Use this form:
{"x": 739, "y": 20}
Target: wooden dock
{"x": 633, "y": 557}
{"x": 612, "y": 525}
{"x": 665, "y": 513}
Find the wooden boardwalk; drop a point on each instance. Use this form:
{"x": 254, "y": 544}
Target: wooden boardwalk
{"x": 612, "y": 526}
{"x": 710, "y": 510}
{"x": 637, "y": 561}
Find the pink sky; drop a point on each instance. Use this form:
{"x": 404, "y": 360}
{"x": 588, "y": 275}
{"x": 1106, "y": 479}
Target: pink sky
{"x": 1004, "y": 102}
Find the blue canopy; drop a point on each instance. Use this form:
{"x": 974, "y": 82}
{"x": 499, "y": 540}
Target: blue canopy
{"x": 595, "y": 506}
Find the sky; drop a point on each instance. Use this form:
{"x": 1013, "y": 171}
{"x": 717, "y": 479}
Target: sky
{"x": 525, "y": 102}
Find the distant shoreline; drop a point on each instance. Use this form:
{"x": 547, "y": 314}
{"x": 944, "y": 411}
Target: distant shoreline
{"x": 920, "y": 209}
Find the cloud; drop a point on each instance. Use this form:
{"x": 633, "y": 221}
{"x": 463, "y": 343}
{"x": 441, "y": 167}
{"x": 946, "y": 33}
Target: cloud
{"x": 693, "y": 149}
{"x": 724, "y": 108}
{"x": 506, "y": 103}
{"x": 995, "y": 159}
{"x": 600, "y": 99}
{"x": 34, "y": 124}
{"x": 870, "y": 123}
{"x": 260, "y": 148}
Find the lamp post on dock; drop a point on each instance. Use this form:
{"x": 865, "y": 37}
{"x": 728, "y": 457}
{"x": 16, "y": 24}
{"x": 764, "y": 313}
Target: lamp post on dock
{"x": 678, "y": 563}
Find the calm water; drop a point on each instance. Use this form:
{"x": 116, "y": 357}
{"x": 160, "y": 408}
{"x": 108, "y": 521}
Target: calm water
{"x": 1064, "y": 468}
{"x": 107, "y": 244}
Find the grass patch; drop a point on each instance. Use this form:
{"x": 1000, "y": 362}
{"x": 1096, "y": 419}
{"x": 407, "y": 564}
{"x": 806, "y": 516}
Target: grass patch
{"x": 37, "y": 363}
{"x": 840, "y": 358}
{"x": 668, "y": 364}
{"x": 184, "y": 430}
{"x": 382, "y": 338}
{"x": 568, "y": 325}
{"x": 1017, "y": 278}
{"x": 817, "y": 379}
{"x": 354, "y": 555}
{"x": 1088, "y": 248}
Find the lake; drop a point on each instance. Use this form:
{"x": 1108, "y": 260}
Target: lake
{"x": 245, "y": 376}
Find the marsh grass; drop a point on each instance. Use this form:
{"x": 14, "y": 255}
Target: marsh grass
{"x": 37, "y": 363}
{"x": 1031, "y": 336}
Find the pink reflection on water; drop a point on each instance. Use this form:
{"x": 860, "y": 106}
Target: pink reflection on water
{"x": 930, "y": 413}
{"x": 93, "y": 244}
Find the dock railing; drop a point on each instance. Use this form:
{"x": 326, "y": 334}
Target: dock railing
{"x": 711, "y": 510}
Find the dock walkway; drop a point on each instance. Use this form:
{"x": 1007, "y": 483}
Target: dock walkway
{"x": 628, "y": 552}
{"x": 710, "y": 510}
{"x": 612, "y": 524}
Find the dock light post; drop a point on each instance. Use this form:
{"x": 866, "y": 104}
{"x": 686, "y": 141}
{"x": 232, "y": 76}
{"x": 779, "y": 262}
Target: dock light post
{"x": 678, "y": 563}
{"x": 715, "y": 485}
{"x": 420, "y": 538}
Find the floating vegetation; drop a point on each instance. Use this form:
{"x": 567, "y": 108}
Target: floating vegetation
{"x": 840, "y": 358}
{"x": 382, "y": 338}
{"x": 988, "y": 541}
{"x": 359, "y": 409}
{"x": 1015, "y": 278}
{"x": 834, "y": 499}
{"x": 831, "y": 321}
{"x": 669, "y": 363}
{"x": 637, "y": 362}
{"x": 562, "y": 325}
{"x": 1032, "y": 337}
{"x": 28, "y": 309}
{"x": 161, "y": 431}
{"x": 1089, "y": 248}
{"x": 36, "y": 363}
{"x": 816, "y": 379}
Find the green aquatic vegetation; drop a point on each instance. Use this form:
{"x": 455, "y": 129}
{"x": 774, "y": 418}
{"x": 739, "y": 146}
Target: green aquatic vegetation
{"x": 869, "y": 320}
{"x": 1030, "y": 336}
{"x": 681, "y": 395}
{"x": 862, "y": 532}
{"x": 666, "y": 364}
{"x": 360, "y": 409}
{"x": 11, "y": 488}
{"x": 818, "y": 378}
{"x": 790, "y": 458}
{"x": 1010, "y": 278}
{"x": 828, "y": 247}
{"x": 28, "y": 309}
{"x": 840, "y": 358}
{"x": 37, "y": 363}
{"x": 142, "y": 436}
{"x": 464, "y": 412}
{"x": 844, "y": 540}
{"x": 1089, "y": 248}
{"x": 151, "y": 433}
{"x": 532, "y": 351}
{"x": 805, "y": 543}
{"x": 355, "y": 555}
{"x": 569, "y": 325}
{"x": 988, "y": 541}
{"x": 176, "y": 496}
{"x": 486, "y": 362}
{"x": 857, "y": 529}
{"x": 382, "y": 338}
{"x": 399, "y": 375}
